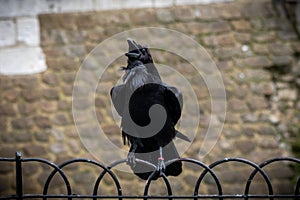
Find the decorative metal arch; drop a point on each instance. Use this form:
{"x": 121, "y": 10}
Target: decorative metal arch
{"x": 206, "y": 169}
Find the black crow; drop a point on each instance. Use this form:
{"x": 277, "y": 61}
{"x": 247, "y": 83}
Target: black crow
{"x": 148, "y": 132}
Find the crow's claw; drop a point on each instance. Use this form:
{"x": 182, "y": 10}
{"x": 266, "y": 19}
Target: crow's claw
{"x": 161, "y": 165}
{"x": 131, "y": 159}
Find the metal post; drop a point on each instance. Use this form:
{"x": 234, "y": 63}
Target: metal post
{"x": 19, "y": 181}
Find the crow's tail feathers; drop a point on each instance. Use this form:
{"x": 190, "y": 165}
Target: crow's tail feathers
{"x": 144, "y": 171}
{"x": 182, "y": 136}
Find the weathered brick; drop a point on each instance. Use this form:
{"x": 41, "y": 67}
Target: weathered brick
{"x": 248, "y": 131}
{"x": 206, "y": 13}
{"x": 7, "y": 110}
{"x": 64, "y": 105}
{"x": 86, "y": 21}
{"x": 140, "y": 17}
{"x": 5, "y": 185}
{"x": 237, "y": 105}
{"x": 288, "y": 35}
{"x": 232, "y": 176}
{"x": 230, "y": 132}
{"x": 257, "y": 103}
{"x": 3, "y": 123}
{"x": 183, "y": 13}
{"x": 229, "y": 11}
{"x": 6, "y": 83}
{"x": 48, "y": 106}
{"x": 287, "y": 94}
{"x": 7, "y": 152}
{"x": 54, "y": 64}
{"x": 61, "y": 119}
{"x": 69, "y": 64}
{"x": 42, "y": 136}
{"x": 50, "y": 79}
{"x": 74, "y": 51}
{"x": 241, "y": 25}
{"x": 11, "y": 95}
{"x": 207, "y": 27}
{"x": 22, "y": 123}
{"x": 257, "y": 75}
{"x": 266, "y": 130}
{"x": 219, "y": 40}
{"x": 260, "y": 49}
{"x": 225, "y": 65}
{"x": 50, "y": 94}
{"x": 256, "y": 62}
{"x": 111, "y": 17}
{"x": 42, "y": 121}
{"x": 265, "y": 37}
{"x": 53, "y": 51}
{"x": 263, "y": 88}
{"x": 164, "y": 15}
{"x": 27, "y": 82}
{"x": 249, "y": 118}
{"x": 67, "y": 90}
{"x": 268, "y": 143}
{"x": 57, "y": 147}
{"x": 219, "y": 26}
{"x": 279, "y": 49}
{"x": 245, "y": 146}
{"x": 27, "y": 108}
{"x": 31, "y": 95}
{"x": 68, "y": 77}
{"x": 34, "y": 150}
{"x": 226, "y": 52}
{"x": 255, "y": 10}
{"x": 243, "y": 37}
{"x": 282, "y": 61}
{"x": 232, "y": 118}
{"x": 21, "y": 136}
{"x": 257, "y": 24}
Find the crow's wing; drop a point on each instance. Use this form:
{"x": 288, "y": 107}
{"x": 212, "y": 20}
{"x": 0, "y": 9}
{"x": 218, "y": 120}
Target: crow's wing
{"x": 174, "y": 102}
{"x": 117, "y": 94}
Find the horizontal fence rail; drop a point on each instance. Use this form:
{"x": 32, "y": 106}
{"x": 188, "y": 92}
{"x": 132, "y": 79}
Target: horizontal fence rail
{"x": 107, "y": 170}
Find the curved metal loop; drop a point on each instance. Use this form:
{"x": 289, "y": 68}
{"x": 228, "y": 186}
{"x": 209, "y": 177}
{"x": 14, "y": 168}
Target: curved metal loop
{"x": 252, "y": 164}
{"x": 56, "y": 168}
{"x": 147, "y": 186}
{"x": 297, "y": 187}
{"x": 267, "y": 162}
{"x": 199, "y": 180}
{"x": 114, "y": 164}
{"x": 82, "y": 160}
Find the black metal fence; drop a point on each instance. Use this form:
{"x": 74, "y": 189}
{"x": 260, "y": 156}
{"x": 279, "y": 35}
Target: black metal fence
{"x": 107, "y": 170}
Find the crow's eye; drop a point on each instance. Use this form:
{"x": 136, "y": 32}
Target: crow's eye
{"x": 143, "y": 51}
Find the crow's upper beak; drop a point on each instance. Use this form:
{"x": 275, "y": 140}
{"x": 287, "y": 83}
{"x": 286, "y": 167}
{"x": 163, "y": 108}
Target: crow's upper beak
{"x": 132, "y": 45}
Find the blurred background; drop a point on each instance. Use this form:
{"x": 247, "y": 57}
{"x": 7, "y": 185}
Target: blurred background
{"x": 255, "y": 45}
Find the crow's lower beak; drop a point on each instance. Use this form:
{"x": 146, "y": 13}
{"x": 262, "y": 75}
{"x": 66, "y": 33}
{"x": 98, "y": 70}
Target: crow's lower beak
{"x": 132, "y": 45}
{"x": 133, "y": 55}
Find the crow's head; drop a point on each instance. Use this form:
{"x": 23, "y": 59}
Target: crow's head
{"x": 138, "y": 52}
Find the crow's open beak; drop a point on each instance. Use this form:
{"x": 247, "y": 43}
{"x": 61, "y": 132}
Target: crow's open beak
{"x": 132, "y": 45}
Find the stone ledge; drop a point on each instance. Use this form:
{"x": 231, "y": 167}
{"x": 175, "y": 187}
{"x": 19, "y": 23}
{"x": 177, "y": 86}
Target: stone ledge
{"x": 22, "y": 60}
{"x": 15, "y": 8}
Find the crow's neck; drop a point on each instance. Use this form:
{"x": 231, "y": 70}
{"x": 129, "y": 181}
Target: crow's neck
{"x": 138, "y": 78}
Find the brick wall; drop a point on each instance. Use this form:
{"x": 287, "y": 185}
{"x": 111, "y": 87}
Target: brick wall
{"x": 255, "y": 51}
